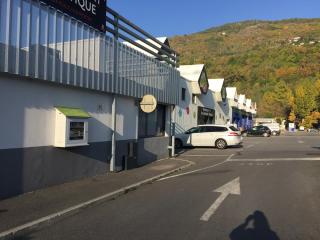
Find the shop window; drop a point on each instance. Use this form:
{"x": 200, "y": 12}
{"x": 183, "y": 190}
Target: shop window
{"x": 206, "y": 116}
{"x": 183, "y": 94}
{"x": 71, "y": 127}
{"x": 152, "y": 124}
{"x": 76, "y": 131}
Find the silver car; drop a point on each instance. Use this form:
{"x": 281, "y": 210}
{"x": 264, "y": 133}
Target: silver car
{"x": 219, "y": 136}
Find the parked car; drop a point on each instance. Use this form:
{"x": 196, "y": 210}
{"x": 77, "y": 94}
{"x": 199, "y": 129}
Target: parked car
{"x": 219, "y": 136}
{"x": 313, "y": 130}
{"x": 262, "y": 131}
{"x": 274, "y": 127}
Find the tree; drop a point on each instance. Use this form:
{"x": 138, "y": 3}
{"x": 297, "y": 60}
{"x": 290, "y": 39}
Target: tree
{"x": 279, "y": 101}
{"x": 305, "y": 99}
{"x": 312, "y": 120}
{"x": 292, "y": 116}
{"x": 317, "y": 98}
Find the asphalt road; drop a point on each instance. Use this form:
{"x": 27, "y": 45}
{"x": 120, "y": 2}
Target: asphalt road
{"x": 279, "y": 180}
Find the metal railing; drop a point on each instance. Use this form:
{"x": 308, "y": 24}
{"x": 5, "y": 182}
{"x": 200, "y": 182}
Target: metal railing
{"x": 40, "y": 42}
{"x": 122, "y": 28}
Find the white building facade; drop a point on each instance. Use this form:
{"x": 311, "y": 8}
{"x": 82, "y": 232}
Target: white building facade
{"x": 196, "y": 105}
{"x": 97, "y": 80}
{"x": 209, "y": 101}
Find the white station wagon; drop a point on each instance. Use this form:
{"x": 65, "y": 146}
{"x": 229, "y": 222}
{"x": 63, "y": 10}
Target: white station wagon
{"x": 219, "y": 136}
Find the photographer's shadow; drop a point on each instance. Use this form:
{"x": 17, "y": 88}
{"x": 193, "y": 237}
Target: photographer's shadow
{"x": 260, "y": 229}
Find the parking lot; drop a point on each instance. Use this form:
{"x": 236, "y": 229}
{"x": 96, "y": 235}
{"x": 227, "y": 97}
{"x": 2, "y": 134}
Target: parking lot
{"x": 268, "y": 188}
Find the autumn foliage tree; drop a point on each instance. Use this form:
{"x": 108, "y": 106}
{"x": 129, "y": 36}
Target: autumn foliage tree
{"x": 305, "y": 96}
{"x": 278, "y": 102}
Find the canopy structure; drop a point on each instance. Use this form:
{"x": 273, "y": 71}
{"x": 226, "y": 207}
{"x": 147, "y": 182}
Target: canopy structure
{"x": 73, "y": 112}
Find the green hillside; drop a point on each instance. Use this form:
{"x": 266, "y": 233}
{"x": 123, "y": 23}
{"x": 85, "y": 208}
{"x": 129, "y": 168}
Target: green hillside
{"x": 276, "y": 63}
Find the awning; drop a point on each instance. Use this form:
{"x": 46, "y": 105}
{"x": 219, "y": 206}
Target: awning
{"x": 73, "y": 112}
{"x": 195, "y": 88}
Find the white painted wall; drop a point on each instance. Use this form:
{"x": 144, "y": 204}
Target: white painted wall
{"x": 127, "y": 119}
{"x": 27, "y": 114}
{"x": 185, "y": 121}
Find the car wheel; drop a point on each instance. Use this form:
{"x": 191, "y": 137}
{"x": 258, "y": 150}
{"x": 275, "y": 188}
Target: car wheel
{"x": 274, "y": 133}
{"x": 265, "y": 135}
{"x": 178, "y": 143}
{"x": 245, "y": 134}
{"x": 221, "y": 144}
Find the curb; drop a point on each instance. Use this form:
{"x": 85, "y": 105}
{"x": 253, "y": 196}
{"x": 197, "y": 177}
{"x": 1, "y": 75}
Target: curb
{"x": 9, "y": 234}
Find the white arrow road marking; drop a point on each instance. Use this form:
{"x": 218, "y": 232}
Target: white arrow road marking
{"x": 232, "y": 187}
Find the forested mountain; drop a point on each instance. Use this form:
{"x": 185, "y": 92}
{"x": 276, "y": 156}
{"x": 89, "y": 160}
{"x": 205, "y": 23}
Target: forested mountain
{"x": 276, "y": 63}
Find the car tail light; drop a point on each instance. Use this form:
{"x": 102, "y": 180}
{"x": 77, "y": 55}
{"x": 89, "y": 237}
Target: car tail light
{"x": 233, "y": 134}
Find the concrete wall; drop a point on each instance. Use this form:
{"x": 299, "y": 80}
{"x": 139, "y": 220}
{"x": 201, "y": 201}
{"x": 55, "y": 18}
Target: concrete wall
{"x": 151, "y": 149}
{"x": 28, "y": 159}
{"x": 27, "y": 169}
{"x": 28, "y": 118}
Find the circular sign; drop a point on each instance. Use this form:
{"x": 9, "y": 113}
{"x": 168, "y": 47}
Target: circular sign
{"x": 148, "y": 104}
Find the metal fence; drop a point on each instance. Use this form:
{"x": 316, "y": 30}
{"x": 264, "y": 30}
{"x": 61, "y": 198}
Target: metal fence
{"x": 40, "y": 42}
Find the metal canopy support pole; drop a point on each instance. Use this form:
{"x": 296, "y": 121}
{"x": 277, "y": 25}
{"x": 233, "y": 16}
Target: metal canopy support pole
{"x": 114, "y": 100}
{"x": 173, "y": 130}
{"x": 114, "y": 131}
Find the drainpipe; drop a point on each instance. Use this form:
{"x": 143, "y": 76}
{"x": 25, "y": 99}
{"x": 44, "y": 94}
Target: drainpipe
{"x": 114, "y": 98}
{"x": 173, "y": 130}
{"x": 114, "y": 132}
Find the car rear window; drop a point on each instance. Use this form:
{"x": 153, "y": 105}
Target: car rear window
{"x": 219, "y": 129}
{"x": 213, "y": 129}
{"x": 234, "y": 129}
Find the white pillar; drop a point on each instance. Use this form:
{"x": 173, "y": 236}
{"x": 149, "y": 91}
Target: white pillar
{"x": 173, "y": 129}
{"x": 114, "y": 132}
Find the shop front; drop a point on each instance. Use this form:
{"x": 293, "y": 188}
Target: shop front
{"x": 206, "y": 116}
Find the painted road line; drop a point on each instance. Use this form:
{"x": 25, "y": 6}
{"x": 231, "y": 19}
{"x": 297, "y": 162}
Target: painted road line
{"x": 250, "y": 146}
{"x": 204, "y": 149}
{"x": 300, "y": 141}
{"x": 197, "y": 170}
{"x": 196, "y": 155}
{"x": 274, "y": 159}
{"x": 232, "y": 187}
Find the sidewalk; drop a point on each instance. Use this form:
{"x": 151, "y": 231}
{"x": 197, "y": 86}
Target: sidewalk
{"x": 39, "y": 204}
{"x": 300, "y": 134}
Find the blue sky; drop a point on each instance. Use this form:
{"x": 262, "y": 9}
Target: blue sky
{"x": 176, "y": 17}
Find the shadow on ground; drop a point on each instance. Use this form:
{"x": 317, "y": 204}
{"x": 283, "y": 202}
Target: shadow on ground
{"x": 22, "y": 238}
{"x": 255, "y": 227}
{"x": 3, "y": 210}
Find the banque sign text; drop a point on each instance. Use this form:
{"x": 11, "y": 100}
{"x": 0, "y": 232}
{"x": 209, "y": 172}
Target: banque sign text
{"x": 91, "y": 12}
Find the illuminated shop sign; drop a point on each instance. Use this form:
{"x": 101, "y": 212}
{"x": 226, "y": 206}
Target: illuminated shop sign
{"x": 91, "y": 12}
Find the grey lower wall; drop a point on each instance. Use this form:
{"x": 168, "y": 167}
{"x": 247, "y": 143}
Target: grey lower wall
{"x": 27, "y": 169}
{"x": 151, "y": 149}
